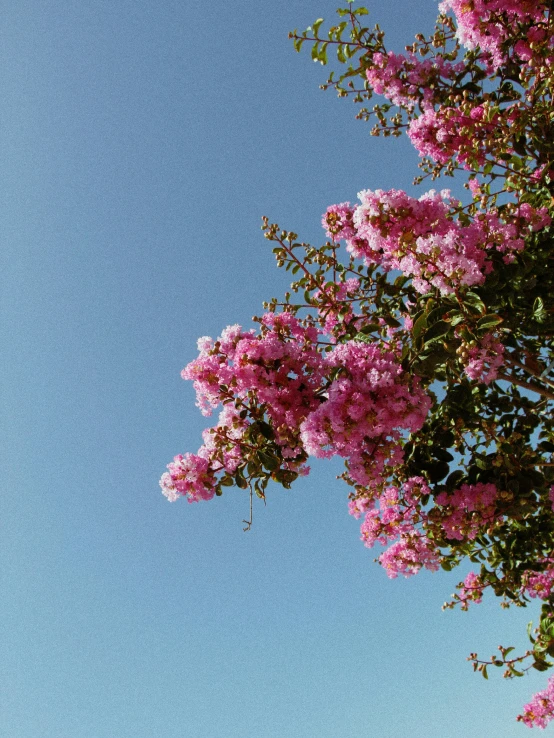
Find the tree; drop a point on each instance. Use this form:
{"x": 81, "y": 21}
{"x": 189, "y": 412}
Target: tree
{"x": 416, "y": 342}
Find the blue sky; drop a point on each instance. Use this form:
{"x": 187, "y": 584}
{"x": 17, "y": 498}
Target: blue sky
{"x": 142, "y": 142}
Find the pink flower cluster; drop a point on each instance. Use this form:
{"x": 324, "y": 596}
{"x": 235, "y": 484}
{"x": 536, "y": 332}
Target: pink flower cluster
{"x": 450, "y": 132}
{"x": 485, "y": 359}
{"x": 407, "y": 80}
{"x": 281, "y": 366}
{"x": 468, "y": 510}
{"x": 188, "y": 476}
{"x": 337, "y": 222}
{"x": 353, "y": 402}
{"x": 487, "y": 24}
{"x": 397, "y": 513}
{"x": 368, "y": 403}
{"x": 409, "y": 555}
{"x": 396, "y": 521}
{"x": 540, "y": 583}
{"x": 470, "y": 591}
{"x": 540, "y": 711}
{"x": 422, "y": 239}
{"x": 194, "y": 475}
{"x": 280, "y": 369}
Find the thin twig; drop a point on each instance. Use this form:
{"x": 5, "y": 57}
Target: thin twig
{"x": 249, "y": 522}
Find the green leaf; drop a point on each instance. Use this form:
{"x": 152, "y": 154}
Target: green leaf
{"x": 454, "y": 480}
{"x": 322, "y": 56}
{"x": 436, "y": 331}
{"x": 369, "y": 328}
{"x": 475, "y": 301}
{"x": 266, "y": 430}
{"x": 472, "y": 87}
{"x": 442, "y": 454}
{"x": 285, "y": 477}
{"x": 315, "y": 26}
{"x": 538, "y": 310}
{"x": 270, "y": 462}
{"x": 240, "y": 481}
{"x": 456, "y": 318}
{"x": 489, "y": 321}
{"x": 419, "y": 325}
{"x": 436, "y": 314}
{"x": 517, "y": 163}
{"x": 436, "y": 470}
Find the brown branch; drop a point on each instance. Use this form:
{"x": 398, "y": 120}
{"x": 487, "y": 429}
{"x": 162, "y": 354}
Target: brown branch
{"x": 514, "y": 362}
{"x": 526, "y": 385}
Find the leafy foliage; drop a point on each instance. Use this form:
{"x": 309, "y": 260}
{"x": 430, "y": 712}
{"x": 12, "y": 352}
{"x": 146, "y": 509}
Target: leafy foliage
{"x": 416, "y": 341}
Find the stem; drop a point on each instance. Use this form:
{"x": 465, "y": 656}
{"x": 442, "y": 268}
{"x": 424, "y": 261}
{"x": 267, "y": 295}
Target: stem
{"x": 526, "y": 385}
{"x": 249, "y": 522}
{"x": 528, "y": 370}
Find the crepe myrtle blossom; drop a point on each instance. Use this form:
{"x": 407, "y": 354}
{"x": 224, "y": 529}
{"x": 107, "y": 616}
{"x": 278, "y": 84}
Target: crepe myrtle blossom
{"x": 488, "y": 24}
{"x": 395, "y": 519}
{"x": 540, "y": 583}
{"x": 280, "y": 365}
{"x": 482, "y": 360}
{"x": 407, "y": 80}
{"x": 359, "y": 415}
{"x": 189, "y": 476}
{"x": 367, "y": 406}
{"x": 540, "y": 711}
{"x": 194, "y": 476}
{"x": 450, "y": 133}
{"x": 423, "y": 239}
{"x": 470, "y": 590}
{"x": 468, "y": 510}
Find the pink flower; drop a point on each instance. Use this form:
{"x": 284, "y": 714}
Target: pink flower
{"x": 188, "y": 476}
{"x": 410, "y": 554}
{"x": 467, "y": 510}
{"x": 471, "y": 590}
{"x": 485, "y": 359}
{"x": 540, "y": 711}
{"x": 368, "y": 404}
{"x": 540, "y": 583}
{"x": 489, "y": 24}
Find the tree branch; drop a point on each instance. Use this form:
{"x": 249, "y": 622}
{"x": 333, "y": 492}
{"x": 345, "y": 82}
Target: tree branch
{"x": 526, "y": 385}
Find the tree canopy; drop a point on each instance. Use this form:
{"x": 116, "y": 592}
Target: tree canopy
{"x": 416, "y": 341}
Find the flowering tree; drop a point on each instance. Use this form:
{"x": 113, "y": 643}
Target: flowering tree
{"x": 416, "y": 341}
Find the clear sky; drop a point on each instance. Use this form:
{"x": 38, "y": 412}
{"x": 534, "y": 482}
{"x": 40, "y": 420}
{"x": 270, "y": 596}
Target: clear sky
{"x": 142, "y": 141}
